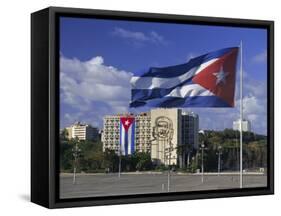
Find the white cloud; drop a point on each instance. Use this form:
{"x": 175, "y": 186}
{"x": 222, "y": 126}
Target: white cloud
{"x": 260, "y": 57}
{"x": 157, "y": 38}
{"x": 254, "y": 108}
{"x": 152, "y": 36}
{"x": 70, "y": 118}
{"x": 93, "y": 89}
{"x": 254, "y": 101}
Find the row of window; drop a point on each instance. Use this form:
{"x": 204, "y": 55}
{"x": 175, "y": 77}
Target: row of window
{"x": 110, "y": 131}
{"x": 142, "y": 135}
{"x": 143, "y": 131}
{"x": 116, "y": 142}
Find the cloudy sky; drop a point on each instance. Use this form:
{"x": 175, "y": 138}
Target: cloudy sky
{"x": 99, "y": 57}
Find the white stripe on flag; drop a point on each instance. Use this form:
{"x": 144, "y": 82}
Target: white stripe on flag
{"x": 204, "y": 65}
{"x": 189, "y": 91}
{"x": 156, "y": 82}
{"x": 122, "y": 140}
{"x": 129, "y": 139}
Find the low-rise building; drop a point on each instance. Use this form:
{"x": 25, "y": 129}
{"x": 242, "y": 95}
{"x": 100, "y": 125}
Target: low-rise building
{"x": 246, "y": 125}
{"x": 82, "y": 131}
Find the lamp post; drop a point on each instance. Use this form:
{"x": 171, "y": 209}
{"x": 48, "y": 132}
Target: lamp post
{"x": 119, "y": 167}
{"x": 167, "y": 155}
{"x": 76, "y": 153}
{"x": 202, "y": 162}
{"x": 202, "y": 157}
{"x": 169, "y": 174}
{"x": 219, "y": 153}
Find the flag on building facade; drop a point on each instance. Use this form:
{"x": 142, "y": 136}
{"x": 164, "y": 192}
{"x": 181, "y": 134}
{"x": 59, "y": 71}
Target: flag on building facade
{"x": 204, "y": 81}
{"x": 127, "y": 135}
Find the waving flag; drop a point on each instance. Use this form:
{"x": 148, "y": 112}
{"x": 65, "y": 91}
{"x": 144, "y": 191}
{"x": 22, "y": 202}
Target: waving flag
{"x": 204, "y": 81}
{"x": 127, "y": 135}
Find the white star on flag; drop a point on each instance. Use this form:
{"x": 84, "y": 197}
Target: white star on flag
{"x": 221, "y": 75}
{"x": 127, "y": 122}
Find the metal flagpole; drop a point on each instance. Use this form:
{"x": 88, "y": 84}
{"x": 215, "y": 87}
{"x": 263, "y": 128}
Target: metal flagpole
{"x": 169, "y": 162}
{"x": 202, "y": 163}
{"x": 168, "y": 183}
{"x": 76, "y": 152}
{"x": 202, "y": 157}
{"x": 241, "y": 117}
{"x": 119, "y": 168}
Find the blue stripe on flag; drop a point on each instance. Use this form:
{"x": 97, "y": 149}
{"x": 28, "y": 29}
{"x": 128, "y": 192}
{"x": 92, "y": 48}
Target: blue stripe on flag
{"x": 177, "y": 70}
{"x": 126, "y": 143}
{"x": 170, "y": 102}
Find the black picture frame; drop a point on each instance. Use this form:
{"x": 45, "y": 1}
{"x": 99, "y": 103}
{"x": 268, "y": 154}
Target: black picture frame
{"x": 45, "y": 107}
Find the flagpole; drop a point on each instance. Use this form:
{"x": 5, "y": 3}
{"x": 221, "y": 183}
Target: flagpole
{"x": 119, "y": 166}
{"x": 241, "y": 117}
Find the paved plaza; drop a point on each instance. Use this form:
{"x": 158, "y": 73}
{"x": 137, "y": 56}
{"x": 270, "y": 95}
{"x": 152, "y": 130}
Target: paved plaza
{"x": 92, "y": 185}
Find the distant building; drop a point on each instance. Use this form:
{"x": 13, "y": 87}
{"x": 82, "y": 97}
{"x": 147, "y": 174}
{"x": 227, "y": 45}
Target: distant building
{"x": 143, "y": 132}
{"x": 111, "y": 132}
{"x": 82, "y": 131}
{"x": 169, "y": 135}
{"x": 175, "y": 135}
{"x": 166, "y": 135}
{"x": 189, "y": 139}
{"x": 246, "y": 125}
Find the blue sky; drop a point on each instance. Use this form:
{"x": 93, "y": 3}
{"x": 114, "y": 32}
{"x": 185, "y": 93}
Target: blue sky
{"x": 98, "y": 58}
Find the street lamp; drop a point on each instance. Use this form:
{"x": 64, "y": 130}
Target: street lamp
{"x": 202, "y": 157}
{"x": 219, "y": 153}
{"x": 119, "y": 167}
{"x": 76, "y": 153}
{"x": 168, "y": 155}
{"x": 202, "y": 162}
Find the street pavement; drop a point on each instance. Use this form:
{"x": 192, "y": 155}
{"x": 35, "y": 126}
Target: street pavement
{"x": 94, "y": 185}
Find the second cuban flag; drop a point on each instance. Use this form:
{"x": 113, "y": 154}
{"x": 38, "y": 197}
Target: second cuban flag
{"x": 127, "y": 135}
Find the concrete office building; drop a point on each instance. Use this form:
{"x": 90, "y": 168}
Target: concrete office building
{"x": 110, "y": 133}
{"x": 169, "y": 135}
{"x": 143, "y": 131}
{"x": 82, "y": 131}
{"x": 175, "y": 136}
{"x": 190, "y": 128}
{"x": 246, "y": 125}
{"x": 166, "y": 135}
{"x": 110, "y": 136}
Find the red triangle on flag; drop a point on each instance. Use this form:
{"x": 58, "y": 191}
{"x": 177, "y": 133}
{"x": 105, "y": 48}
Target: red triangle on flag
{"x": 219, "y": 77}
{"x": 126, "y": 122}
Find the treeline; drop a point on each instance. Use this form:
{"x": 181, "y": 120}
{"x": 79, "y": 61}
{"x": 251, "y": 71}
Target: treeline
{"x": 228, "y": 143}
{"x": 91, "y": 158}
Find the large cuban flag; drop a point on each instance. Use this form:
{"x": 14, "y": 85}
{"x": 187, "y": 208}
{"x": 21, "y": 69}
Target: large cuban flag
{"x": 127, "y": 135}
{"x": 204, "y": 81}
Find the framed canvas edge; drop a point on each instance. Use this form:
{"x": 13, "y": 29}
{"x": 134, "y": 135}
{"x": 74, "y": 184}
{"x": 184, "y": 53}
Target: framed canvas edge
{"x": 54, "y": 202}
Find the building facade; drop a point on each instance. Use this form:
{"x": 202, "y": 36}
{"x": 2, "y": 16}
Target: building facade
{"x": 143, "y": 130}
{"x": 169, "y": 135}
{"x": 189, "y": 139}
{"x": 82, "y": 131}
{"x": 246, "y": 125}
{"x": 110, "y": 136}
{"x": 166, "y": 135}
{"x": 111, "y": 133}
